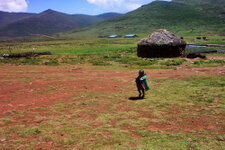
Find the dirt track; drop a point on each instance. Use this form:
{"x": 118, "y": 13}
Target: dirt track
{"x": 24, "y": 87}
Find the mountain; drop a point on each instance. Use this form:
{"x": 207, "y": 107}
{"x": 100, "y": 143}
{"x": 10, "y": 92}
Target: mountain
{"x": 49, "y": 22}
{"x": 179, "y": 16}
{"x": 106, "y": 16}
{"x": 6, "y": 18}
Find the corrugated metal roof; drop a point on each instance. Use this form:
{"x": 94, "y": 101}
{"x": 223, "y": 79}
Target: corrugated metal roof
{"x": 113, "y": 36}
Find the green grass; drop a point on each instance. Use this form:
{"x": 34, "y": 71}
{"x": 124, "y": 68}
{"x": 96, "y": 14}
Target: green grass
{"x": 74, "y": 47}
{"x": 132, "y": 125}
{"x": 209, "y": 63}
{"x": 100, "y": 52}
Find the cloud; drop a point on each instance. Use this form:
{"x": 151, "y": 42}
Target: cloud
{"x": 13, "y": 5}
{"x": 119, "y": 5}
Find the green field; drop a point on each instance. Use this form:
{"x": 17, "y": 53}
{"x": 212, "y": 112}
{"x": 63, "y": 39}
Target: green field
{"x": 99, "y": 51}
{"x": 182, "y": 111}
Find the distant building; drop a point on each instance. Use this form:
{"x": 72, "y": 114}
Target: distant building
{"x": 130, "y": 36}
{"x": 113, "y": 36}
{"x": 102, "y": 36}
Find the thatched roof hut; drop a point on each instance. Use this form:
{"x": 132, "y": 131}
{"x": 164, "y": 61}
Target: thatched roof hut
{"x": 161, "y": 43}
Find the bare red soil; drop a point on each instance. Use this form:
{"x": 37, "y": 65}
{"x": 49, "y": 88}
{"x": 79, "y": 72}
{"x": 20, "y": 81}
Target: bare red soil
{"x": 30, "y": 87}
{"x": 25, "y": 87}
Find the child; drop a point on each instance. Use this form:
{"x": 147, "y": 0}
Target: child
{"x": 142, "y": 83}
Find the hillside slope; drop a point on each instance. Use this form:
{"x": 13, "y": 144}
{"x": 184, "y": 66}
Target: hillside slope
{"x": 174, "y": 16}
{"x": 49, "y": 22}
{"x": 6, "y": 17}
{"x": 209, "y": 7}
{"x": 109, "y": 15}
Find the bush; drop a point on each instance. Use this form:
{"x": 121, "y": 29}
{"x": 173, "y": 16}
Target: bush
{"x": 51, "y": 63}
{"x": 72, "y": 60}
{"x": 128, "y": 60}
{"x": 100, "y": 62}
{"x": 173, "y": 62}
{"x": 24, "y": 61}
{"x": 221, "y": 62}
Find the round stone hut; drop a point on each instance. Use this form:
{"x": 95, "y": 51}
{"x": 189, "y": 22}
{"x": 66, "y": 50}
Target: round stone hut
{"x": 161, "y": 43}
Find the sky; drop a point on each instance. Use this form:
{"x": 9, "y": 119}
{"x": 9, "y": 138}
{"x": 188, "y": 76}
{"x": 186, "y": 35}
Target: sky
{"x": 91, "y": 7}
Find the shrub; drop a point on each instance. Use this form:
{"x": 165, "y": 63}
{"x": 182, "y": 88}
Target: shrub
{"x": 222, "y": 62}
{"x": 173, "y": 62}
{"x": 72, "y": 60}
{"x": 100, "y": 62}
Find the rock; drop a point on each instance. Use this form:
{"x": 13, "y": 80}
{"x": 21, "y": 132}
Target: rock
{"x": 10, "y": 105}
{"x": 196, "y": 55}
{"x": 220, "y": 139}
{"x": 84, "y": 103}
{"x": 68, "y": 116}
{"x": 189, "y": 140}
{"x": 3, "y": 140}
{"x": 5, "y": 55}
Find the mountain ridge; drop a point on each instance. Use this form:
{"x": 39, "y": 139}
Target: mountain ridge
{"x": 6, "y": 17}
{"x": 175, "y": 16}
{"x": 49, "y": 22}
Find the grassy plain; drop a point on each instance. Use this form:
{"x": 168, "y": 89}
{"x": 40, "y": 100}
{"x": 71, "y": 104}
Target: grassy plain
{"x": 98, "y": 51}
{"x": 178, "y": 113}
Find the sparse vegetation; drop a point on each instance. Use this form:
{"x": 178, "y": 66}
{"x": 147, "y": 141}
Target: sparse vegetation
{"x": 211, "y": 63}
{"x": 169, "y": 118}
{"x": 83, "y": 96}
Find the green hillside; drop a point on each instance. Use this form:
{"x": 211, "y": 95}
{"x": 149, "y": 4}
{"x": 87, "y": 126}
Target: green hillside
{"x": 210, "y": 7}
{"x": 176, "y": 16}
{"x": 49, "y": 22}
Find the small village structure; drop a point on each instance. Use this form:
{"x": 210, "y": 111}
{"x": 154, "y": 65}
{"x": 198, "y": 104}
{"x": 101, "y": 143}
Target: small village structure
{"x": 113, "y": 36}
{"x": 161, "y": 43}
{"x": 130, "y": 36}
{"x": 102, "y": 36}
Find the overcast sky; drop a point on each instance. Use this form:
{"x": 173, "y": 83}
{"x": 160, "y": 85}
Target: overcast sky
{"x": 91, "y": 7}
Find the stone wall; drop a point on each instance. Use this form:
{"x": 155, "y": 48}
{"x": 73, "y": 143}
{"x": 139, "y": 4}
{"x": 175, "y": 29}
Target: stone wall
{"x": 165, "y": 51}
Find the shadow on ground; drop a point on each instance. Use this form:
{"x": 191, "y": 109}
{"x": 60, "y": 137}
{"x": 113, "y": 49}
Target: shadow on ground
{"x": 135, "y": 98}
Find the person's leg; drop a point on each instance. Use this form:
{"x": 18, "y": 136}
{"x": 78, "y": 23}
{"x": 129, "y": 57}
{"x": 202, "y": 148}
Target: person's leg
{"x": 143, "y": 91}
{"x": 139, "y": 90}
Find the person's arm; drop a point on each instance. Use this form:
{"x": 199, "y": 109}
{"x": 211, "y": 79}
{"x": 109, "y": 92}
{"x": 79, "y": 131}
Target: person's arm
{"x": 144, "y": 77}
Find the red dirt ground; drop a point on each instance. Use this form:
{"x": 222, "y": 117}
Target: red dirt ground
{"x": 30, "y": 87}
{"x": 25, "y": 87}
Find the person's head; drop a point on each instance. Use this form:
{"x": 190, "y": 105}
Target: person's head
{"x": 141, "y": 72}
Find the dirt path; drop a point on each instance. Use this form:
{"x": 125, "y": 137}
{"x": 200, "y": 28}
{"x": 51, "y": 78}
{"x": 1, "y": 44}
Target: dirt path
{"x": 25, "y": 87}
